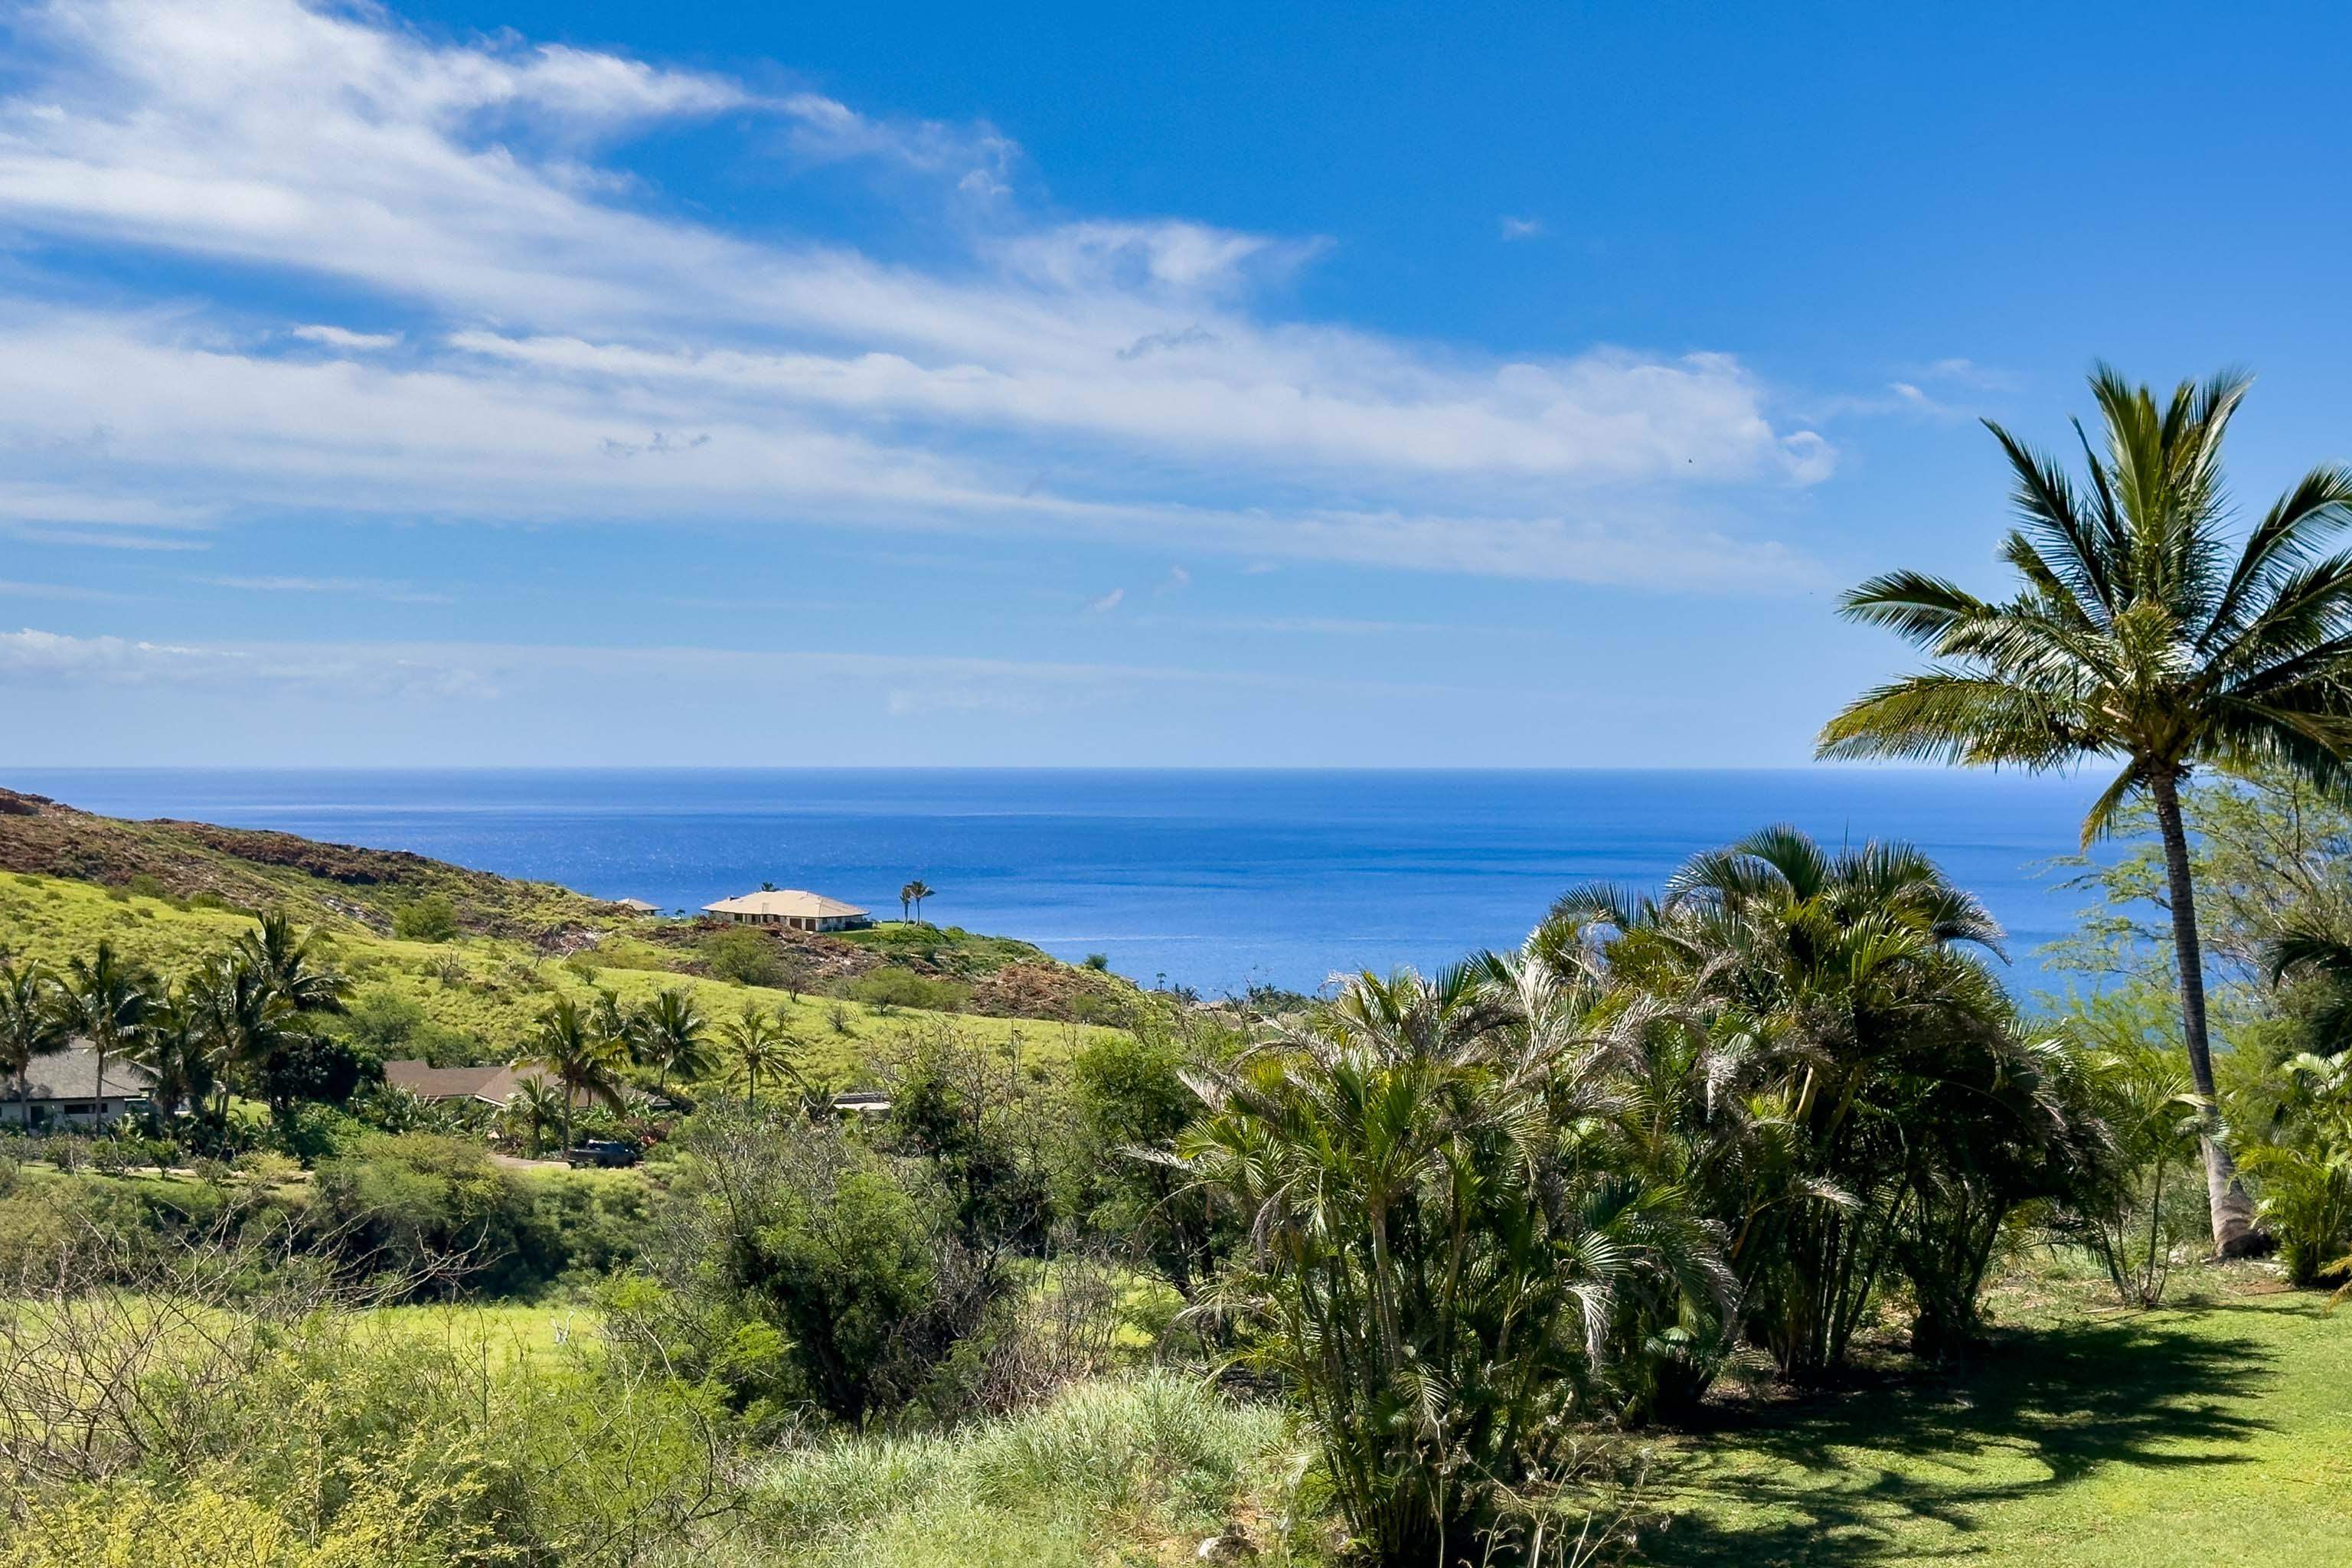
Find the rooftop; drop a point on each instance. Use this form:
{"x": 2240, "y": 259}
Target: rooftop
{"x": 788, "y": 901}
{"x": 72, "y": 1074}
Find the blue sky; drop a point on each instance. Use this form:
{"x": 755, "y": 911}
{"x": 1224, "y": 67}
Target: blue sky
{"x": 510, "y": 383}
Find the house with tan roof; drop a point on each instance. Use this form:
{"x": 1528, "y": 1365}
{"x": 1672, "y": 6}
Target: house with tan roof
{"x": 791, "y": 909}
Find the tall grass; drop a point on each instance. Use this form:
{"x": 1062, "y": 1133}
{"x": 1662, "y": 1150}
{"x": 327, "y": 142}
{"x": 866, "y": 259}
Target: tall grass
{"x": 1154, "y": 1458}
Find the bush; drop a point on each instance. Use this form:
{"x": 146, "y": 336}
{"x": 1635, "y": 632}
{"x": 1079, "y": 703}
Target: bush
{"x": 383, "y": 1025}
{"x": 745, "y": 957}
{"x": 1098, "y": 961}
{"x": 790, "y": 1263}
{"x": 433, "y": 918}
{"x": 146, "y": 885}
{"x": 882, "y": 988}
{"x": 420, "y": 1203}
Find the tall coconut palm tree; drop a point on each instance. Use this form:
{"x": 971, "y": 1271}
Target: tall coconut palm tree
{"x": 108, "y": 1001}
{"x": 242, "y": 1018}
{"x": 762, "y": 1047}
{"x": 292, "y": 964}
{"x": 674, "y": 1036}
{"x": 34, "y": 1022}
{"x": 584, "y": 1064}
{"x": 2140, "y": 635}
{"x": 917, "y": 890}
{"x": 906, "y": 899}
{"x": 172, "y": 1046}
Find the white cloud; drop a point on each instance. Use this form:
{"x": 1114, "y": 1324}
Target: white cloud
{"x": 977, "y": 159}
{"x": 9, "y": 590}
{"x": 568, "y": 324}
{"x": 53, "y": 659}
{"x": 1521, "y": 228}
{"x": 365, "y": 587}
{"x": 344, "y": 338}
{"x": 1107, "y": 603}
{"x": 483, "y": 673}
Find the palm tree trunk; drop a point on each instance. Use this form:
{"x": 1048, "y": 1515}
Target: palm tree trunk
{"x": 2232, "y": 1212}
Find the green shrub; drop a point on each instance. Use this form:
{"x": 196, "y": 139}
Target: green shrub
{"x": 882, "y": 988}
{"x": 745, "y": 957}
{"x": 147, "y": 885}
{"x": 433, "y": 918}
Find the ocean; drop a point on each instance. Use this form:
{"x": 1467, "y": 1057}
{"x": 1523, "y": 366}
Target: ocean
{"x": 1215, "y": 879}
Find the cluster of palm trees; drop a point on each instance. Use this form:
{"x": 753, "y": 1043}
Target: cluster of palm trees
{"x": 1573, "y": 1181}
{"x": 911, "y": 897}
{"x": 224, "y": 1024}
{"x": 581, "y": 1053}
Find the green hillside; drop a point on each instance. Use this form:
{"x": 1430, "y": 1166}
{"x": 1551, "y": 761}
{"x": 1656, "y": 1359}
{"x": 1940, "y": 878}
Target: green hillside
{"x": 169, "y": 893}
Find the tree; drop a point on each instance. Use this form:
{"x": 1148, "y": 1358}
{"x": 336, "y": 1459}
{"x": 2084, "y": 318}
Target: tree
{"x": 107, "y": 1001}
{"x": 172, "y": 1046}
{"x": 906, "y": 897}
{"x": 33, "y": 1022}
{"x": 760, "y": 1045}
{"x": 584, "y": 1064}
{"x": 2137, "y": 638}
{"x": 242, "y": 1016}
{"x": 290, "y": 962}
{"x": 537, "y": 1105}
{"x": 675, "y": 1035}
{"x": 917, "y": 891}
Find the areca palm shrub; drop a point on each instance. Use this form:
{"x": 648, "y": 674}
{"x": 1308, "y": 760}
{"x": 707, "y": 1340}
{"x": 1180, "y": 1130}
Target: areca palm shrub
{"x": 2305, "y": 1169}
{"x": 2141, "y": 634}
{"x": 1440, "y": 1230}
{"x": 2127, "y": 1216}
{"x": 1831, "y": 1074}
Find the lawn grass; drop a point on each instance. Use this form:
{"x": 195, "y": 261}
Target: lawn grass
{"x": 2216, "y": 1432}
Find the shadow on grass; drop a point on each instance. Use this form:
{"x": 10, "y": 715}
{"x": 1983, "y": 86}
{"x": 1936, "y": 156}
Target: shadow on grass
{"x": 1841, "y": 1479}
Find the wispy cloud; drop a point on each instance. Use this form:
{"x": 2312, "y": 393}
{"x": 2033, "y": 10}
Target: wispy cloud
{"x": 10, "y": 590}
{"x": 365, "y": 587}
{"x": 1521, "y": 228}
{"x": 1107, "y": 603}
{"x": 344, "y": 338}
{"x": 54, "y": 659}
{"x": 565, "y": 314}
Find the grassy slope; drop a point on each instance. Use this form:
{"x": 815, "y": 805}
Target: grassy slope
{"x": 2217, "y": 1432}
{"x": 497, "y": 992}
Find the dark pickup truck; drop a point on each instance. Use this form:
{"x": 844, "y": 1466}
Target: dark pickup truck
{"x": 601, "y": 1151}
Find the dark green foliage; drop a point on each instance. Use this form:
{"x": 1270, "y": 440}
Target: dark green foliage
{"x": 383, "y": 1025}
{"x": 438, "y": 1211}
{"x": 1128, "y": 1098}
{"x": 790, "y": 1262}
{"x": 431, "y": 918}
{"x": 982, "y": 1132}
{"x": 314, "y": 1068}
